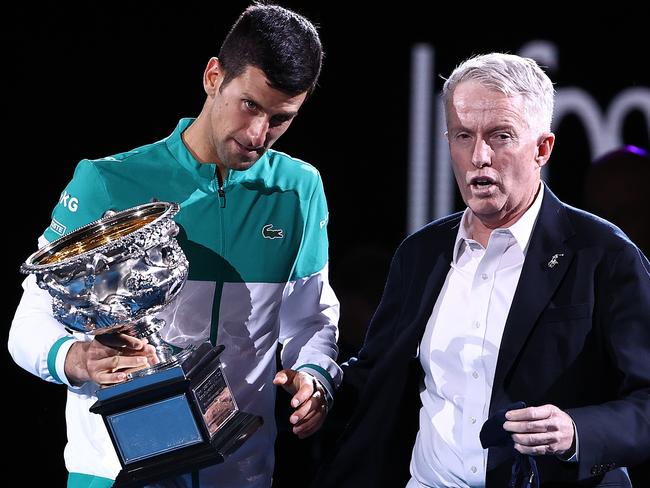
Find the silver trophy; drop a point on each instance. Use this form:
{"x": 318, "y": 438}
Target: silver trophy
{"x": 113, "y": 276}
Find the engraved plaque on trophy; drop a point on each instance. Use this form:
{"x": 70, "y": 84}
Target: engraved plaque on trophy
{"x": 113, "y": 275}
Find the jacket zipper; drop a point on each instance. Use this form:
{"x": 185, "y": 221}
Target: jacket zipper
{"x": 222, "y": 194}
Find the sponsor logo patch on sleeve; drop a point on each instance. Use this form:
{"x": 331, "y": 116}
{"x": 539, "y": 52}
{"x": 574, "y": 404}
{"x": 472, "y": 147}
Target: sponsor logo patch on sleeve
{"x": 324, "y": 222}
{"x": 57, "y": 227}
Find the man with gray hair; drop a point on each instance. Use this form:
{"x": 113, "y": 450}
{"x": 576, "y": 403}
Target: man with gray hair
{"x": 512, "y": 341}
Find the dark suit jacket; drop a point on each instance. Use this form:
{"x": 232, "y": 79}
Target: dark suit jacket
{"x": 577, "y": 336}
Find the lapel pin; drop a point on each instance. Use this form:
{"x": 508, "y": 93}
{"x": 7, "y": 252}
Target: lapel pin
{"x": 553, "y": 262}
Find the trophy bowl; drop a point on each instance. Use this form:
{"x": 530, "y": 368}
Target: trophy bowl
{"x": 112, "y": 276}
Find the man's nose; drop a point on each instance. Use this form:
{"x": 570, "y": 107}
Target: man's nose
{"x": 257, "y": 130}
{"x": 482, "y": 154}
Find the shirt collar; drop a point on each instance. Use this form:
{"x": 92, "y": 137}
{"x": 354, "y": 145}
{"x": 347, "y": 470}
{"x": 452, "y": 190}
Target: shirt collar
{"x": 520, "y": 230}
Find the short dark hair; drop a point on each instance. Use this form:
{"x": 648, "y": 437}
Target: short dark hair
{"x": 280, "y": 42}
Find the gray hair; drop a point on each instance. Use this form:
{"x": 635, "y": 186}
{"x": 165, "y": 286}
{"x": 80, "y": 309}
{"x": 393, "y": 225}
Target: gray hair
{"x": 511, "y": 75}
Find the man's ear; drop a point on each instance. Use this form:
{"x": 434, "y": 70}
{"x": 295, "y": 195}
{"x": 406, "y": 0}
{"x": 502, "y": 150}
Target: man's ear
{"x": 544, "y": 148}
{"x": 212, "y": 77}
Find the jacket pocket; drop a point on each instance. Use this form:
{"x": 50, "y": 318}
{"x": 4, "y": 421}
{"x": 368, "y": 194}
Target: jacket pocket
{"x": 566, "y": 313}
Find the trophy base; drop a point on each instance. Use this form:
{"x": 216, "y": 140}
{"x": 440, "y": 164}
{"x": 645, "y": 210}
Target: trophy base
{"x": 174, "y": 420}
{"x": 192, "y": 458}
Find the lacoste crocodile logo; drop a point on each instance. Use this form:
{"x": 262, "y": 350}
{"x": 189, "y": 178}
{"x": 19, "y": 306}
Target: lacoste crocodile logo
{"x": 268, "y": 232}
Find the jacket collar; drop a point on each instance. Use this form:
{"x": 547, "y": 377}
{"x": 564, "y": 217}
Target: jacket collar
{"x": 202, "y": 173}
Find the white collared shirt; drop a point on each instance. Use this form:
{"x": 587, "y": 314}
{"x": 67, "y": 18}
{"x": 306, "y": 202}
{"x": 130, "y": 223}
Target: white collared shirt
{"x": 459, "y": 351}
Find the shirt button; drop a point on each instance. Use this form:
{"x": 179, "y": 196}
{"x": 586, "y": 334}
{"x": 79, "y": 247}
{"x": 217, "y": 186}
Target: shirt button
{"x": 477, "y": 324}
{"x": 475, "y": 374}
{"x": 473, "y": 469}
{"x": 472, "y": 420}
{"x": 484, "y": 276}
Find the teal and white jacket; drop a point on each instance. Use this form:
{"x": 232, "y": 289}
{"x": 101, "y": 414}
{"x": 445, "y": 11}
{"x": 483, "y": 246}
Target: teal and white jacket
{"x": 258, "y": 255}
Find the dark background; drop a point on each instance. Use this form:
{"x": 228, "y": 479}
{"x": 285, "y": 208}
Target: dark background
{"x": 94, "y": 80}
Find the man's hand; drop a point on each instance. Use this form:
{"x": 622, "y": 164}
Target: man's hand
{"x": 540, "y": 430}
{"x": 107, "y": 359}
{"x": 308, "y": 401}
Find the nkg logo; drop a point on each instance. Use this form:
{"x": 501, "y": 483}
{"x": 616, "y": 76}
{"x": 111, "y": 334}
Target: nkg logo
{"x": 270, "y": 233}
{"x": 69, "y": 202}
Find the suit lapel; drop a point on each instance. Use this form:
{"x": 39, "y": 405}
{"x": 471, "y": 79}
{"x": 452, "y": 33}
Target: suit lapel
{"x": 547, "y": 260}
{"x": 433, "y": 285}
{"x": 442, "y": 249}
{"x": 402, "y": 351}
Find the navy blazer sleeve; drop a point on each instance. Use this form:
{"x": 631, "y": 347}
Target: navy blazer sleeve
{"x": 617, "y": 432}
